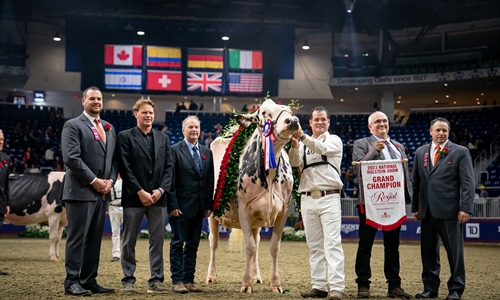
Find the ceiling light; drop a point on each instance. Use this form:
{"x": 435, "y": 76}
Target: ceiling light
{"x": 225, "y": 38}
{"x": 436, "y": 101}
{"x": 447, "y": 96}
{"x": 454, "y": 102}
{"x": 399, "y": 102}
{"x": 140, "y": 32}
{"x": 445, "y": 84}
{"x": 306, "y": 46}
{"x": 56, "y": 37}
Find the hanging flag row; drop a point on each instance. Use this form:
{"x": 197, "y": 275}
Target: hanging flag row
{"x": 162, "y": 68}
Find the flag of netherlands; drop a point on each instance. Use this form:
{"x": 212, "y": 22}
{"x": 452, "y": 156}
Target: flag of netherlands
{"x": 200, "y": 58}
{"x": 164, "y": 57}
{"x": 123, "y": 55}
{"x": 245, "y": 59}
{"x": 245, "y": 83}
{"x": 204, "y": 82}
{"x": 164, "y": 80}
{"x": 125, "y": 79}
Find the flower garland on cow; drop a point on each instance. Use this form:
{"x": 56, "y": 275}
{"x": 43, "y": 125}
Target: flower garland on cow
{"x": 228, "y": 174}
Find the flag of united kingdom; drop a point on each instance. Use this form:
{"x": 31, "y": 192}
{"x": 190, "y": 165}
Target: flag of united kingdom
{"x": 204, "y": 82}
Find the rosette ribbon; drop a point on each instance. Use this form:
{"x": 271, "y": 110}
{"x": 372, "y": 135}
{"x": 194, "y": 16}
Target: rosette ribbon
{"x": 269, "y": 158}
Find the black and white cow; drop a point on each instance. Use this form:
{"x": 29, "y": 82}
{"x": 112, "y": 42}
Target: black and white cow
{"x": 262, "y": 196}
{"x": 36, "y": 198}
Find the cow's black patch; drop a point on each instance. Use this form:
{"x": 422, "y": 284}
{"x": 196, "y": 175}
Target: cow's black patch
{"x": 55, "y": 194}
{"x": 26, "y": 193}
{"x": 253, "y": 162}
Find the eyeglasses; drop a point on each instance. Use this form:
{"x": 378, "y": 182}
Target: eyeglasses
{"x": 380, "y": 121}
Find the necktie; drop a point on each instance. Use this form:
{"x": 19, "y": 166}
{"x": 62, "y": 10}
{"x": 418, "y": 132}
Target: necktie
{"x": 391, "y": 152}
{"x": 99, "y": 130}
{"x": 436, "y": 155}
{"x": 196, "y": 158}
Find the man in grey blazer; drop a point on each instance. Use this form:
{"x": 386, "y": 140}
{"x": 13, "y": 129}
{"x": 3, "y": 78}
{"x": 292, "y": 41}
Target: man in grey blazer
{"x": 443, "y": 193}
{"x": 88, "y": 145}
{"x": 379, "y": 146}
{"x": 190, "y": 200}
{"x": 145, "y": 164}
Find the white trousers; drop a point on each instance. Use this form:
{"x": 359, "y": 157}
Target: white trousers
{"x": 322, "y": 219}
{"x": 116, "y": 220}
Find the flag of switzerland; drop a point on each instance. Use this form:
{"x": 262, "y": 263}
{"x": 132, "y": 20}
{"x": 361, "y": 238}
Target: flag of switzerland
{"x": 164, "y": 81}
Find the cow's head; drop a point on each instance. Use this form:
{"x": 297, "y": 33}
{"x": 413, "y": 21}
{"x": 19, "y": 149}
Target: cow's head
{"x": 284, "y": 125}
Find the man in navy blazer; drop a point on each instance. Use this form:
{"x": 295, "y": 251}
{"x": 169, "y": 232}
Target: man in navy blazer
{"x": 88, "y": 146}
{"x": 443, "y": 199}
{"x": 145, "y": 164}
{"x": 5, "y": 164}
{"x": 191, "y": 200}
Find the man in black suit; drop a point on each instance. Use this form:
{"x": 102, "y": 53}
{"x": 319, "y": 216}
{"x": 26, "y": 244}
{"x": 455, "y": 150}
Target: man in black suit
{"x": 379, "y": 146}
{"x": 145, "y": 164}
{"x": 191, "y": 200}
{"x": 443, "y": 193}
{"x": 5, "y": 163}
{"x": 88, "y": 145}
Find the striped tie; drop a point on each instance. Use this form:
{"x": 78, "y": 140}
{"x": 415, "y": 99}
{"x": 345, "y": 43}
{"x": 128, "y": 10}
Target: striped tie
{"x": 436, "y": 155}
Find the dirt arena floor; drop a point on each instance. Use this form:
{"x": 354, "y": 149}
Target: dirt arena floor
{"x": 34, "y": 277}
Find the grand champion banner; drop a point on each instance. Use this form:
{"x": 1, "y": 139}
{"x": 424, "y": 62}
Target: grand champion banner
{"x": 384, "y": 193}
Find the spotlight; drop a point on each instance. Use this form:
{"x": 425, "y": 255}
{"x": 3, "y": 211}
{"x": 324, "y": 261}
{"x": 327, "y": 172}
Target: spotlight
{"x": 225, "y": 38}
{"x": 349, "y": 5}
{"x": 56, "y": 37}
{"x": 306, "y": 46}
{"x": 140, "y": 32}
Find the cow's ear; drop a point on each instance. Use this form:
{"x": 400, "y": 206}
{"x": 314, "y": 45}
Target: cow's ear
{"x": 247, "y": 119}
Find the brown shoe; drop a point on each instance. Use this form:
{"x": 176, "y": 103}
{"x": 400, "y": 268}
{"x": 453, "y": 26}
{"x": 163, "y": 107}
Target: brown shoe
{"x": 190, "y": 287}
{"x": 314, "y": 293}
{"x": 398, "y": 293}
{"x": 335, "y": 295}
{"x": 363, "y": 292}
{"x": 179, "y": 288}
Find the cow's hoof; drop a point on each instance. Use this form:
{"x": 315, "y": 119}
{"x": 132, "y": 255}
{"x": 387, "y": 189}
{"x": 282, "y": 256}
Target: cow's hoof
{"x": 277, "y": 289}
{"x": 246, "y": 289}
{"x": 257, "y": 280}
{"x": 211, "y": 279}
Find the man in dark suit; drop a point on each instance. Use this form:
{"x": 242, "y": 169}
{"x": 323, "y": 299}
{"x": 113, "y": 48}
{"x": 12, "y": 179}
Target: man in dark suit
{"x": 379, "y": 146}
{"x": 145, "y": 164}
{"x": 5, "y": 163}
{"x": 443, "y": 193}
{"x": 88, "y": 146}
{"x": 191, "y": 200}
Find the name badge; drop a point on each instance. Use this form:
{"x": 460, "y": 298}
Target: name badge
{"x": 96, "y": 134}
{"x": 316, "y": 194}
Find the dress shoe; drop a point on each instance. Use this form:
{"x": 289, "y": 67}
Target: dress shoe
{"x": 77, "y": 290}
{"x": 192, "y": 288}
{"x": 398, "y": 293}
{"x": 179, "y": 288}
{"x": 115, "y": 259}
{"x": 426, "y": 294}
{"x": 363, "y": 292}
{"x": 4, "y": 273}
{"x": 97, "y": 289}
{"x": 314, "y": 293}
{"x": 453, "y": 295}
{"x": 335, "y": 295}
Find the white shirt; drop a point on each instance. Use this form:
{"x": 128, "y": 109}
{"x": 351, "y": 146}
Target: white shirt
{"x": 116, "y": 193}
{"x": 321, "y": 177}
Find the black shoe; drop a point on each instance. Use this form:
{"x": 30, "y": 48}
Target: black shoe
{"x": 426, "y": 294}
{"x": 314, "y": 293}
{"x": 453, "y": 295}
{"x": 77, "y": 290}
{"x": 97, "y": 289}
{"x": 4, "y": 273}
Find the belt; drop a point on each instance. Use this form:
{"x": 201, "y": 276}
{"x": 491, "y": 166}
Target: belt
{"x": 323, "y": 193}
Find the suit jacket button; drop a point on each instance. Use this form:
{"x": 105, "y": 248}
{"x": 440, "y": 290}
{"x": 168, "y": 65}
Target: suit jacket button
{"x": 150, "y": 172}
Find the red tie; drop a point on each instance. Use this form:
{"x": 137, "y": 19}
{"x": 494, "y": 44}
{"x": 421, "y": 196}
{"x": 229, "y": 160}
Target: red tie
{"x": 436, "y": 156}
{"x": 101, "y": 134}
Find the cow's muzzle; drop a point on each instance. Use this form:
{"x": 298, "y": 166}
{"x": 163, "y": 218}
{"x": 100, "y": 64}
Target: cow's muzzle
{"x": 292, "y": 123}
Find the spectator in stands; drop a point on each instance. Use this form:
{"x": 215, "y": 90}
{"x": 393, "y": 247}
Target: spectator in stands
{"x": 349, "y": 133}
{"x": 58, "y": 164}
{"x": 201, "y": 106}
{"x": 443, "y": 185}
{"x": 193, "y": 105}
{"x": 348, "y": 153}
{"x": 164, "y": 129}
{"x": 27, "y": 155}
{"x": 218, "y": 129}
{"x": 49, "y": 157}
{"x": 34, "y": 169}
{"x": 4, "y": 186}
{"x": 209, "y": 140}
{"x": 379, "y": 146}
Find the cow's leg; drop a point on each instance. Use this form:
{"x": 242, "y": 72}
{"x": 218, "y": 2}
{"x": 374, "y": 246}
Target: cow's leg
{"x": 256, "y": 270}
{"x": 274, "y": 279}
{"x": 250, "y": 250}
{"x": 55, "y": 233}
{"x": 213, "y": 238}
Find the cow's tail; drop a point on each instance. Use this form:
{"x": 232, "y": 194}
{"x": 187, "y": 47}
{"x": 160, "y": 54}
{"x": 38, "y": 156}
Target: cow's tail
{"x": 235, "y": 244}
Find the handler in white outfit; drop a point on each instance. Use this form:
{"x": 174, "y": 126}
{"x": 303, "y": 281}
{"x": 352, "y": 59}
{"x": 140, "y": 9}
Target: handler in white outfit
{"x": 115, "y": 211}
{"x": 319, "y": 157}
